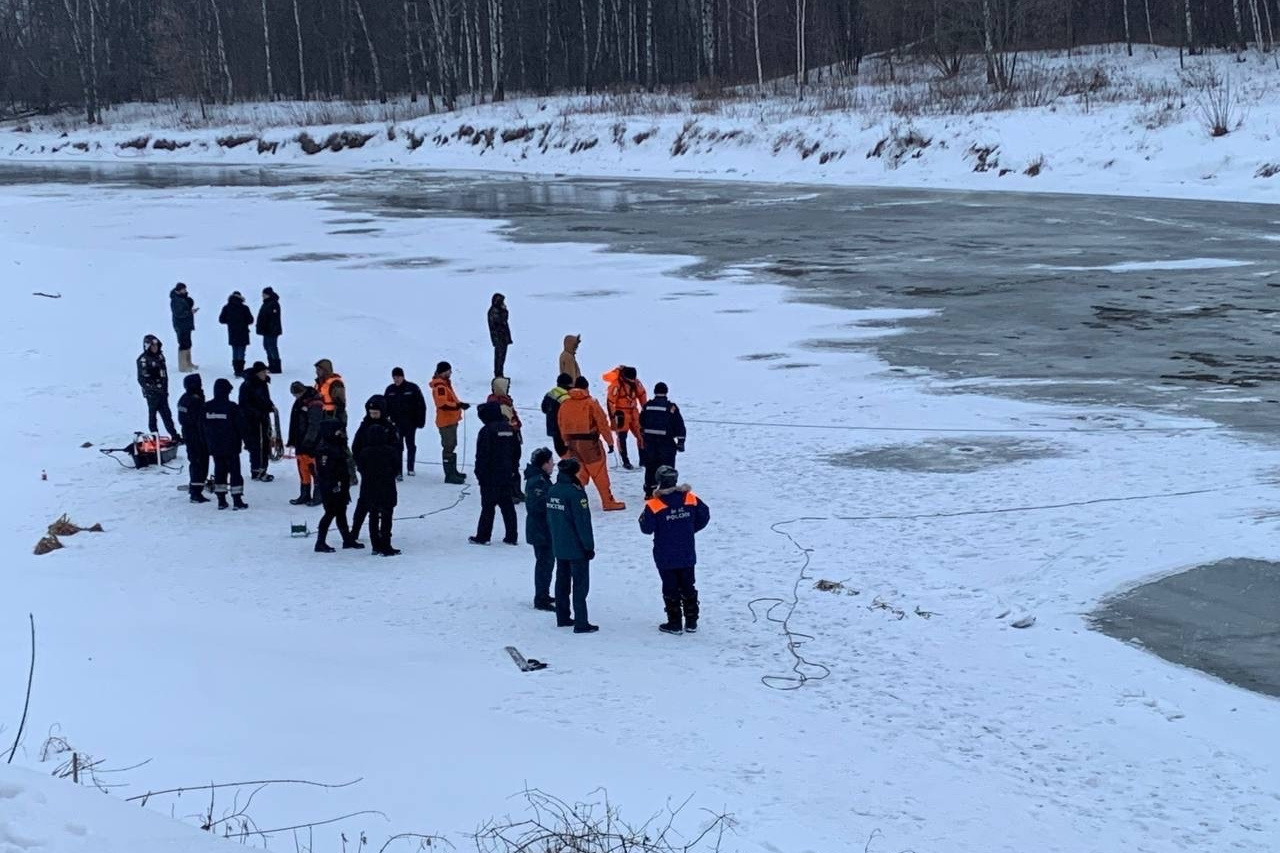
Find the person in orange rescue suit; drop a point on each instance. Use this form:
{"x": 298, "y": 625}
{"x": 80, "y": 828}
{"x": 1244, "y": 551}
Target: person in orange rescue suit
{"x": 582, "y": 425}
{"x": 569, "y": 358}
{"x": 501, "y": 394}
{"x": 333, "y": 393}
{"x": 449, "y": 411}
{"x": 625, "y": 398}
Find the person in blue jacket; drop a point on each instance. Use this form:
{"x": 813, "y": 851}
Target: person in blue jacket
{"x": 569, "y": 517}
{"x": 673, "y": 517}
{"x": 537, "y": 532}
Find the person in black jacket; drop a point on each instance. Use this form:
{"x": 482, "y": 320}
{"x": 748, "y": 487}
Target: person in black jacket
{"x": 497, "y": 465}
{"x": 305, "y": 420}
{"x": 191, "y": 417}
{"x": 499, "y": 332}
{"x": 224, "y": 433}
{"x": 551, "y": 408}
{"x": 183, "y": 308}
{"x": 257, "y": 410}
{"x": 333, "y": 485}
{"x": 662, "y": 426}
{"x": 537, "y": 531}
{"x": 270, "y": 328}
{"x": 237, "y": 317}
{"x": 376, "y": 448}
{"x": 153, "y": 378}
{"x": 407, "y": 409}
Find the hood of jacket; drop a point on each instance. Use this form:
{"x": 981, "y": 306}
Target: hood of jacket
{"x": 490, "y": 413}
{"x": 378, "y": 402}
{"x": 579, "y": 394}
{"x": 566, "y": 477}
{"x": 222, "y": 389}
{"x": 498, "y": 299}
{"x": 324, "y": 366}
{"x": 571, "y": 343}
{"x": 532, "y": 471}
{"x": 193, "y": 383}
{"x": 501, "y": 386}
{"x": 174, "y": 292}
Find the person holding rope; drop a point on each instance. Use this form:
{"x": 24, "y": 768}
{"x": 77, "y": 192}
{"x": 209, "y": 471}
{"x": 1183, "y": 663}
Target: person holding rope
{"x": 449, "y": 411}
{"x": 673, "y": 517}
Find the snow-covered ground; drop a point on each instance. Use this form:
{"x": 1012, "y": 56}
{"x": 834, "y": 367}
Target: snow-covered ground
{"x": 221, "y": 649}
{"x": 1096, "y": 121}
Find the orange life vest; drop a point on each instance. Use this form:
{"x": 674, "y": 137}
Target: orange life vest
{"x": 325, "y": 387}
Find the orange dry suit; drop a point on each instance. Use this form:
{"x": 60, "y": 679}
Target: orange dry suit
{"x": 625, "y": 398}
{"x": 582, "y": 425}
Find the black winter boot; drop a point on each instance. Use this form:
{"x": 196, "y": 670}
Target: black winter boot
{"x": 274, "y": 365}
{"x": 691, "y": 614}
{"x": 452, "y": 475}
{"x": 197, "y": 495}
{"x": 237, "y": 502}
{"x": 237, "y": 365}
{"x": 626, "y": 457}
{"x": 304, "y": 496}
{"x": 222, "y": 500}
{"x": 673, "y": 624}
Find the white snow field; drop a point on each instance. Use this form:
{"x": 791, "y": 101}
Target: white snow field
{"x": 221, "y": 649}
{"x": 1092, "y": 121}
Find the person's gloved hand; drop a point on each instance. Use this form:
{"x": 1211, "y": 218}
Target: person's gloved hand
{"x": 464, "y": 406}
{"x": 680, "y": 446}
{"x": 591, "y": 555}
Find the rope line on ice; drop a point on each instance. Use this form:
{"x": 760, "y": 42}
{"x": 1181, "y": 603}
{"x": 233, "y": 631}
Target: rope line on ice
{"x": 799, "y": 677}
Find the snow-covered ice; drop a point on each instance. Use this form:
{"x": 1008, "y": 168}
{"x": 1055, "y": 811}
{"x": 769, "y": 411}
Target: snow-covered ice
{"x": 222, "y": 649}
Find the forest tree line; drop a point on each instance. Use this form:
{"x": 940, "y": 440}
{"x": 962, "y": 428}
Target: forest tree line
{"x": 91, "y": 54}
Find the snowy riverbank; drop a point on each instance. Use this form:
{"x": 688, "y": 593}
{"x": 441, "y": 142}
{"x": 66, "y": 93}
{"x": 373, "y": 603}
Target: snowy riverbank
{"x": 1096, "y": 122}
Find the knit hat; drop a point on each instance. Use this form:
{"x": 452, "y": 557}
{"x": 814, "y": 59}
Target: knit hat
{"x": 540, "y": 457}
{"x": 443, "y": 367}
{"x": 582, "y": 383}
{"x": 267, "y": 291}
{"x": 660, "y": 389}
{"x": 569, "y": 467}
{"x": 258, "y": 367}
{"x": 397, "y": 371}
{"x": 564, "y": 380}
{"x": 376, "y": 403}
{"x": 667, "y": 477}
{"x": 235, "y": 294}
{"x": 296, "y": 388}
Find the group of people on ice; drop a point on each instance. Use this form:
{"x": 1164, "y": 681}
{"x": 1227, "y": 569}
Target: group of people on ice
{"x": 383, "y": 450}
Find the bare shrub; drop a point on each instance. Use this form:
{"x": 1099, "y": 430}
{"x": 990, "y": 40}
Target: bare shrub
{"x": 517, "y": 134}
{"x": 415, "y": 140}
{"x": 900, "y": 145}
{"x": 265, "y": 147}
{"x": 685, "y": 138}
{"x": 169, "y": 145}
{"x": 138, "y": 143}
{"x": 643, "y": 136}
{"x": 309, "y": 145}
{"x": 584, "y": 145}
{"x": 1218, "y": 108}
{"x": 553, "y": 824}
{"x": 1268, "y": 170}
{"x": 47, "y": 544}
{"x": 1035, "y": 167}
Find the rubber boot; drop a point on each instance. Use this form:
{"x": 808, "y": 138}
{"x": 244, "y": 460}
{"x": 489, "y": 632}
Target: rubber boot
{"x": 191, "y": 362}
{"x": 626, "y": 458}
{"x": 673, "y": 625}
{"x": 452, "y": 475}
{"x": 237, "y": 502}
{"x": 304, "y": 496}
{"x": 691, "y": 614}
{"x": 197, "y": 495}
{"x": 184, "y": 361}
{"x": 237, "y": 366}
{"x": 612, "y": 504}
{"x": 222, "y": 500}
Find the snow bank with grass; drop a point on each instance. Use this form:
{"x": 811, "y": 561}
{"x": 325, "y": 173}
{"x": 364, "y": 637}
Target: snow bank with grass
{"x": 39, "y": 813}
{"x": 1096, "y": 121}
